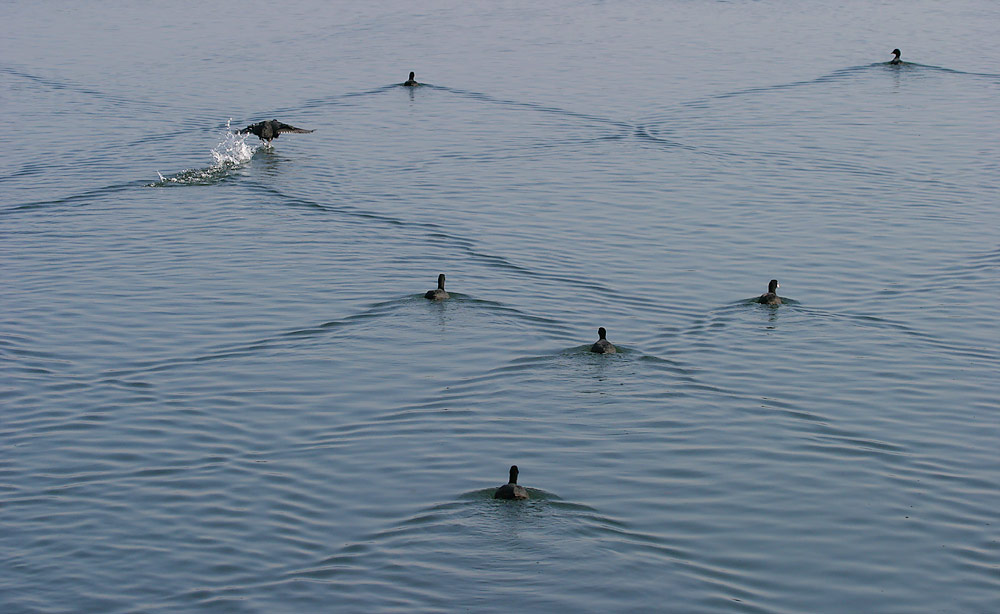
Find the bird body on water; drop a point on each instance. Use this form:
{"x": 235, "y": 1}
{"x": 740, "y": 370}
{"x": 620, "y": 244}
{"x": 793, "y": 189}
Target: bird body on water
{"x": 511, "y": 490}
{"x": 438, "y": 294}
{"x": 603, "y": 346}
{"x": 271, "y": 129}
{"x": 411, "y": 82}
{"x": 770, "y": 297}
{"x": 896, "y": 60}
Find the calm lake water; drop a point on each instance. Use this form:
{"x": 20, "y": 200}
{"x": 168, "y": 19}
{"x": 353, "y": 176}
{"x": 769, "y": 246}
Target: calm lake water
{"x": 222, "y": 390}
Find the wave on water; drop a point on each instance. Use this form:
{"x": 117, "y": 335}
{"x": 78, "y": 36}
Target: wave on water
{"x": 231, "y": 153}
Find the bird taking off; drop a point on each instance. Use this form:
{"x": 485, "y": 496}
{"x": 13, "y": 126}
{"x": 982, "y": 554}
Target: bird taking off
{"x": 268, "y": 130}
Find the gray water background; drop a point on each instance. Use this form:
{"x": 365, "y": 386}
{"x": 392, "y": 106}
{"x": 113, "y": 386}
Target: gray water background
{"x": 222, "y": 391}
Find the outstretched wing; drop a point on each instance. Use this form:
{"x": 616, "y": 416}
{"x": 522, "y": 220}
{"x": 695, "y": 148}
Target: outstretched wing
{"x": 283, "y": 128}
{"x": 252, "y": 128}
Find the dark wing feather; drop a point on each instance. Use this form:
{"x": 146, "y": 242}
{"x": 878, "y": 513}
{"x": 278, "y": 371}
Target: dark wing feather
{"x": 251, "y": 129}
{"x": 283, "y": 128}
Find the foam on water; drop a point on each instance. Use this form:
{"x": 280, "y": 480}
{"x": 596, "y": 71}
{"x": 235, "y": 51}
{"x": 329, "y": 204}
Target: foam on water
{"x": 232, "y": 152}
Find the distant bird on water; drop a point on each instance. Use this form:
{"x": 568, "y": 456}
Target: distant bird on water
{"x": 603, "y": 346}
{"x": 411, "y": 82}
{"x": 896, "y": 60}
{"x": 770, "y": 298}
{"x": 511, "y": 490}
{"x": 272, "y": 129}
{"x": 438, "y": 294}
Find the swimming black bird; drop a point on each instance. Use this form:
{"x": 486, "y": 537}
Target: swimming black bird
{"x": 438, "y": 294}
{"x": 603, "y": 346}
{"x": 268, "y": 130}
{"x": 770, "y": 298}
{"x": 411, "y": 82}
{"x": 896, "y": 60}
{"x": 511, "y": 490}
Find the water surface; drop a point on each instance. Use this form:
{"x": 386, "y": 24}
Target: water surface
{"x": 222, "y": 389}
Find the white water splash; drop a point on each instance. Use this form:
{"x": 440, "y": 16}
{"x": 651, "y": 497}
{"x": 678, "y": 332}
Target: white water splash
{"x": 232, "y": 152}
